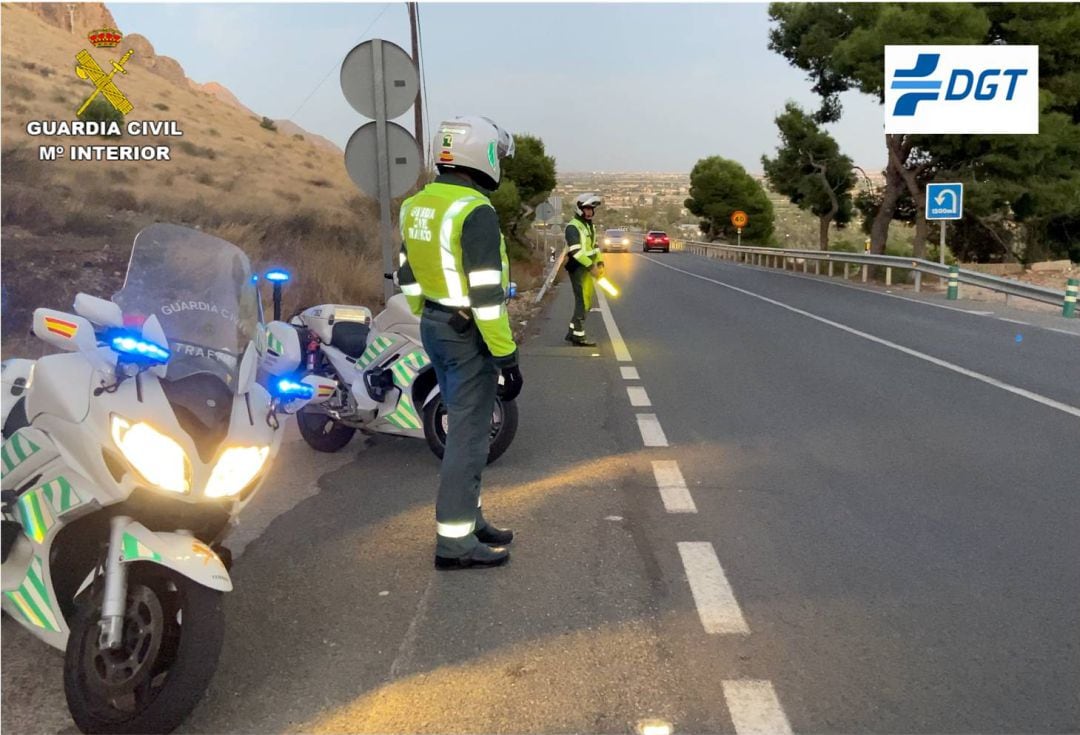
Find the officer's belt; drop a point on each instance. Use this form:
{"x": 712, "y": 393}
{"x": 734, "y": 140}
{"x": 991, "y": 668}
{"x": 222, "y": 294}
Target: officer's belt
{"x": 436, "y": 306}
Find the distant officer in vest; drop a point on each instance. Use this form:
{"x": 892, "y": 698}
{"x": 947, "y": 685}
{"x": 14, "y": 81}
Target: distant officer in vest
{"x": 455, "y": 274}
{"x": 584, "y": 263}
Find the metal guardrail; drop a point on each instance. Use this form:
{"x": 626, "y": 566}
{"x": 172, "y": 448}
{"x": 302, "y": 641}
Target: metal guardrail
{"x": 779, "y": 257}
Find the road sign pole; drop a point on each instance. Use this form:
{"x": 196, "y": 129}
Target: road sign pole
{"x": 941, "y": 248}
{"x": 384, "y": 170}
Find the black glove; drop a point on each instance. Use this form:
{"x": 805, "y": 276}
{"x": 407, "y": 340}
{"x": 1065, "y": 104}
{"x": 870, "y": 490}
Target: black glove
{"x": 512, "y": 381}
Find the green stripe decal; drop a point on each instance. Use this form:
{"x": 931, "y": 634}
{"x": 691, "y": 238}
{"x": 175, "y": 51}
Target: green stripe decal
{"x": 35, "y": 579}
{"x": 31, "y": 519}
{"x": 17, "y": 446}
{"x": 8, "y": 464}
{"x": 30, "y": 603}
{"x": 15, "y": 602}
{"x": 407, "y": 414}
{"x": 131, "y": 547}
{"x": 41, "y": 515}
{"x": 134, "y": 549}
{"x": 68, "y": 497}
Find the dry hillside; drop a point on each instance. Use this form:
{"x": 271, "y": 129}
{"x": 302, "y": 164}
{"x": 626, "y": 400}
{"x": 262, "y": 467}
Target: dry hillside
{"x": 281, "y": 195}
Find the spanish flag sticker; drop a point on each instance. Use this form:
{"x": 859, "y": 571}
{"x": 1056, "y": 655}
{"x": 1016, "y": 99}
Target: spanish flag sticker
{"x": 325, "y": 391}
{"x": 61, "y": 327}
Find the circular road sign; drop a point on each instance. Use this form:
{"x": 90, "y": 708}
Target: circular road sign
{"x": 739, "y": 218}
{"x": 362, "y": 159}
{"x": 400, "y": 79}
{"x": 545, "y": 212}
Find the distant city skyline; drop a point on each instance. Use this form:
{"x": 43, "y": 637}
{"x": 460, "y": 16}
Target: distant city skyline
{"x": 609, "y": 87}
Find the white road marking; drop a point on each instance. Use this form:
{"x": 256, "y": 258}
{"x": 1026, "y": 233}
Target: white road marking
{"x": 651, "y": 432}
{"x": 1024, "y": 393}
{"x": 621, "y": 353}
{"x": 638, "y": 396}
{"x": 754, "y": 708}
{"x": 673, "y": 490}
{"x": 1063, "y": 331}
{"x": 715, "y": 600}
{"x": 1014, "y": 321}
{"x": 630, "y": 373}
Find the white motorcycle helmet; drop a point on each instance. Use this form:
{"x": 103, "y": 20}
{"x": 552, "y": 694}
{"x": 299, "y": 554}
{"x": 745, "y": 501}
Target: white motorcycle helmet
{"x": 476, "y": 144}
{"x": 587, "y": 200}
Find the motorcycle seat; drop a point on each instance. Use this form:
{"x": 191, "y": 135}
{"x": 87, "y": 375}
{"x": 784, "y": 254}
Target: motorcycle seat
{"x": 350, "y": 337}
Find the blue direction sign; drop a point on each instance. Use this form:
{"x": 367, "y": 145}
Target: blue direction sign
{"x": 944, "y": 201}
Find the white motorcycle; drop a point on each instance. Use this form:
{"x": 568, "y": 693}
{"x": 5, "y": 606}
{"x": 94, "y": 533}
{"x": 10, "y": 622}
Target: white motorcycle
{"x": 385, "y": 382}
{"x": 126, "y": 460}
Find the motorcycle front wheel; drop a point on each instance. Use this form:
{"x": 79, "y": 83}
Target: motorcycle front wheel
{"x": 321, "y": 432}
{"x": 173, "y": 633}
{"x": 504, "y": 421}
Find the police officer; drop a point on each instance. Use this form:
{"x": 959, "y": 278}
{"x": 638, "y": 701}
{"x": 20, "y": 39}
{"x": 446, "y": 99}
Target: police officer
{"x": 583, "y": 264}
{"x": 455, "y": 273}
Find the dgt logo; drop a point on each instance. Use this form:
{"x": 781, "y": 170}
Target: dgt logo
{"x": 962, "y": 89}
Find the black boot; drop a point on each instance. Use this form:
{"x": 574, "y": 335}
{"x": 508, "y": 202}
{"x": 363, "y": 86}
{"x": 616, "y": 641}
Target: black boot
{"x": 493, "y": 536}
{"x": 582, "y": 341}
{"x": 482, "y": 556}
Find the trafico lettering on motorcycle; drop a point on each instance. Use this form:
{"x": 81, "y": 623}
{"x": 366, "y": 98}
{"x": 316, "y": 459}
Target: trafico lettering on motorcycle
{"x": 420, "y": 223}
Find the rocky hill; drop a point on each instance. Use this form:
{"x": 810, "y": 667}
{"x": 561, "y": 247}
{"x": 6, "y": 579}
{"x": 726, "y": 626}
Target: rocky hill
{"x": 282, "y": 194}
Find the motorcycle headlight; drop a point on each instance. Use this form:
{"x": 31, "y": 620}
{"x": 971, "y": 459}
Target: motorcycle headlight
{"x": 236, "y": 468}
{"x": 157, "y": 458}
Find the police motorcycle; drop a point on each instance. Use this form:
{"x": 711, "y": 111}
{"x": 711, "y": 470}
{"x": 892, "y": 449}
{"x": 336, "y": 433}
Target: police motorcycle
{"x": 127, "y": 458}
{"x": 385, "y": 382}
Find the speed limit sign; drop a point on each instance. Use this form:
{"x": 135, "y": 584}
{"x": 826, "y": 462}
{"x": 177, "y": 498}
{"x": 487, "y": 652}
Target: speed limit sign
{"x": 739, "y": 218}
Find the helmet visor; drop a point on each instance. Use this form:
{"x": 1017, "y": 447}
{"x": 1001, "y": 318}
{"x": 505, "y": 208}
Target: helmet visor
{"x": 505, "y": 143}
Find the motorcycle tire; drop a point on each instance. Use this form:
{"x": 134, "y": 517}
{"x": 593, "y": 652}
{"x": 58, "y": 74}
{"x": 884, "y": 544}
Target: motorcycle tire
{"x": 321, "y": 432}
{"x": 173, "y": 632}
{"x": 501, "y": 436}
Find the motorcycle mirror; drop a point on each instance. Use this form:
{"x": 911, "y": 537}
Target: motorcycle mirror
{"x": 98, "y": 311}
{"x": 66, "y": 331}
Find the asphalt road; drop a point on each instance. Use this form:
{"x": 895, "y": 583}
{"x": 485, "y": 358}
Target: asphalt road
{"x": 860, "y": 514}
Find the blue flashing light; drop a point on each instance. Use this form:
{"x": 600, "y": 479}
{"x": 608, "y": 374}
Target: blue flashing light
{"x": 255, "y": 278}
{"x": 134, "y": 346}
{"x": 290, "y": 389}
{"x": 277, "y": 275}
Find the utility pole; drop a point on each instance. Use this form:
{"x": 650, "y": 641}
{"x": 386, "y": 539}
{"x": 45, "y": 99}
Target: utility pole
{"x": 418, "y": 110}
{"x": 71, "y": 15}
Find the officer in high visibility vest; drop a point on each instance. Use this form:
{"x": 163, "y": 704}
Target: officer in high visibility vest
{"x": 455, "y": 274}
{"x": 583, "y": 264}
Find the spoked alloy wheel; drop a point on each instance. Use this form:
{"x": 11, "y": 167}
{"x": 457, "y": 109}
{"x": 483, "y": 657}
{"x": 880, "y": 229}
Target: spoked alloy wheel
{"x": 504, "y": 421}
{"x": 172, "y": 635}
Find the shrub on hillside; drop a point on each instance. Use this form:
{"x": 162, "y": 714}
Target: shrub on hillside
{"x": 101, "y": 110}
{"x": 268, "y": 124}
{"x": 197, "y": 151}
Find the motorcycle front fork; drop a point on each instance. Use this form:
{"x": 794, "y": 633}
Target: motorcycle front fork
{"x": 112, "y": 609}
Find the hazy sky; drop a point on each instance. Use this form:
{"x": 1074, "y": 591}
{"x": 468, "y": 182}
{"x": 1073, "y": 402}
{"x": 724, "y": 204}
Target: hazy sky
{"x": 611, "y": 87}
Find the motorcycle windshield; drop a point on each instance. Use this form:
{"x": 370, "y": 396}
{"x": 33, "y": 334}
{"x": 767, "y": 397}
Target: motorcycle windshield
{"x": 200, "y": 288}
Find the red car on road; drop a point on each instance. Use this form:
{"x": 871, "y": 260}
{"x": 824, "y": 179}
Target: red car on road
{"x": 656, "y": 240}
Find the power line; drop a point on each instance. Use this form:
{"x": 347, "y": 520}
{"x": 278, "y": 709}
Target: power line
{"x": 337, "y": 65}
